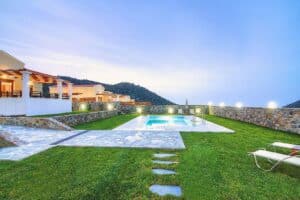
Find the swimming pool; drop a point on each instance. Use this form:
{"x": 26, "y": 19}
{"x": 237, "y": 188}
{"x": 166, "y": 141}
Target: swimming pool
{"x": 166, "y": 120}
{"x": 187, "y": 123}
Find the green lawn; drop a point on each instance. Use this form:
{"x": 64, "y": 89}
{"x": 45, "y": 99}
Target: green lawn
{"x": 214, "y": 166}
{"x": 106, "y": 124}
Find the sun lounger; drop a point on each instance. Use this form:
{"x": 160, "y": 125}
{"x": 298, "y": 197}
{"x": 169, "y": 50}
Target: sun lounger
{"x": 280, "y": 158}
{"x": 286, "y": 145}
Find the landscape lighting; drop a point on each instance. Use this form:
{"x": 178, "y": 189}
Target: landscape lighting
{"x": 222, "y": 104}
{"x": 170, "y": 110}
{"x": 110, "y": 106}
{"x": 139, "y": 110}
{"x": 83, "y": 107}
{"x": 239, "y": 104}
{"x": 272, "y": 105}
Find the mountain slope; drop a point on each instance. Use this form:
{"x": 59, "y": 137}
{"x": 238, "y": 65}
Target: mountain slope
{"x": 293, "y": 105}
{"x": 136, "y": 92}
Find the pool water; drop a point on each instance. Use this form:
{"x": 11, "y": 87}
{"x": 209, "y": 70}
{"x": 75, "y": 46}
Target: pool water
{"x": 166, "y": 120}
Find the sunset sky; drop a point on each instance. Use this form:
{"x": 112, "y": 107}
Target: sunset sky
{"x": 229, "y": 51}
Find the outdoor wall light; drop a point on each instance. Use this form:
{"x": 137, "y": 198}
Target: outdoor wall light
{"x": 170, "y": 110}
{"x": 198, "y": 110}
{"x": 239, "y": 104}
{"x": 83, "y": 107}
{"x": 110, "y": 106}
{"x": 272, "y": 105}
{"x": 139, "y": 110}
{"x": 222, "y": 104}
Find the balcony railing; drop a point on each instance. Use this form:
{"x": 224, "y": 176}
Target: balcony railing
{"x": 33, "y": 94}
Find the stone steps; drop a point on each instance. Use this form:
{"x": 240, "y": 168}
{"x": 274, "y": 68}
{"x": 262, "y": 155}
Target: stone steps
{"x": 163, "y": 190}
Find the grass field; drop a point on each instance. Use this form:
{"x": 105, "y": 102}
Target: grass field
{"x": 106, "y": 124}
{"x": 214, "y": 166}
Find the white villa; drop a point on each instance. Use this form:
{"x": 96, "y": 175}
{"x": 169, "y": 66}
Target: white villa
{"x": 93, "y": 93}
{"x": 21, "y": 90}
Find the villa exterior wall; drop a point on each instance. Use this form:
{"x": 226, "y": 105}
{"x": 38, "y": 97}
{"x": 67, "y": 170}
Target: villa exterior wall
{"x": 285, "y": 119}
{"x": 72, "y": 120}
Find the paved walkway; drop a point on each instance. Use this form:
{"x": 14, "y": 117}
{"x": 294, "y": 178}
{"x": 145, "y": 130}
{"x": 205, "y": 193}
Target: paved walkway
{"x": 31, "y": 140}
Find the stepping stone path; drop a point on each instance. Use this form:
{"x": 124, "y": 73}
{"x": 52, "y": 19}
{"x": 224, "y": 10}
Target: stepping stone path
{"x": 163, "y": 171}
{"x": 163, "y": 162}
{"x": 164, "y": 155}
{"x": 163, "y": 190}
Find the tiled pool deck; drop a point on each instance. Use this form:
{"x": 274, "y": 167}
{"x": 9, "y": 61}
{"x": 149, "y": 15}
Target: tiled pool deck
{"x": 200, "y": 125}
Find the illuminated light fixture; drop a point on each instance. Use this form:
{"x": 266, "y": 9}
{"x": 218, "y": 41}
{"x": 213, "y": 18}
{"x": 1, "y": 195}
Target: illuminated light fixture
{"x": 170, "y": 110}
{"x": 198, "y": 110}
{"x": 210, "y": 103}
{"x": 272, "y": 105}
{"x": 30, "y": 83}
{"x": 139, "y": 110}
{"x": 239, "y": 104}
{"x": 110, "y": 106}
{"x": 83, "y": 107}
{"x": 4, "y": 76}
{"x": 222, "y": 104}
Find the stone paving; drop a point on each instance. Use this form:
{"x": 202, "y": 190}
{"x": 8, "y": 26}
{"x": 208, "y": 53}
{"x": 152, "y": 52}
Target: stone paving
{"x": 139, "y": 139}
{"x": 30, "y": 141}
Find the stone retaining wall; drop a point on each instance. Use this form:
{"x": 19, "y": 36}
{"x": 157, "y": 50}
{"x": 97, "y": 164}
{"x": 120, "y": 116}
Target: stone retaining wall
{"x": 33, "y": 122}
{"x": 75, "y": 119}
{"x": 93, "y": 106}
{"x": 162, "y": 109}
{"x": 285, "y": 119}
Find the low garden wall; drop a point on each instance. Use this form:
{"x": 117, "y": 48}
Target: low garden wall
{"x": 285, "y": 119}
{"x": 162, "y": 109}
{"x": 75, "y": 119}
{"x": 33, "y": 122}
{"x": 92, "y": 106}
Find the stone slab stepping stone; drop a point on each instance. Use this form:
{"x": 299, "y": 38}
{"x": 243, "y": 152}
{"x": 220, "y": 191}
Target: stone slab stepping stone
{"x": 164, "y": 155}
{"x": 163, "y": 162}
{"x": 163, "y": 190}
{"x": 163, "y": 171}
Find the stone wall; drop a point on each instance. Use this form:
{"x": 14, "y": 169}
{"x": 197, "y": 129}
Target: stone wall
{"x": 161, "y": 109}
{"x": 33, "y": 122}
{"x": 285, "y": 119}
{"x": 92, "y": 106}
{"x": 75, "y": 119}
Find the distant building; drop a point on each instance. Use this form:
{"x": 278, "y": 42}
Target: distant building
{"x": 93, "y": 93}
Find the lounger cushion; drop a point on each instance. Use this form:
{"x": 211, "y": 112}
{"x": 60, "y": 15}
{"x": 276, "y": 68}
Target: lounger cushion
{"x": 286, "y": 145}
{"x": 278, "y": 156}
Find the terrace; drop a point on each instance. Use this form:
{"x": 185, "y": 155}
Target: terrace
{"x": 22, "y": 90}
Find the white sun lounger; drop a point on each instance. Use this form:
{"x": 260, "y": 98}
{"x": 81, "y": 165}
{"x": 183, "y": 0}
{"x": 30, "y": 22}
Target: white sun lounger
{"x": 286, "y": 145}
{"x": 293, "y": 160}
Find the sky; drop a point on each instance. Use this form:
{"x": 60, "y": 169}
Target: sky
{"x": 216, "y": 50}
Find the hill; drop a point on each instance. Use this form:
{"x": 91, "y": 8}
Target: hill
{"x": 293, "y": 105}
{"x": 136, "y": 92}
